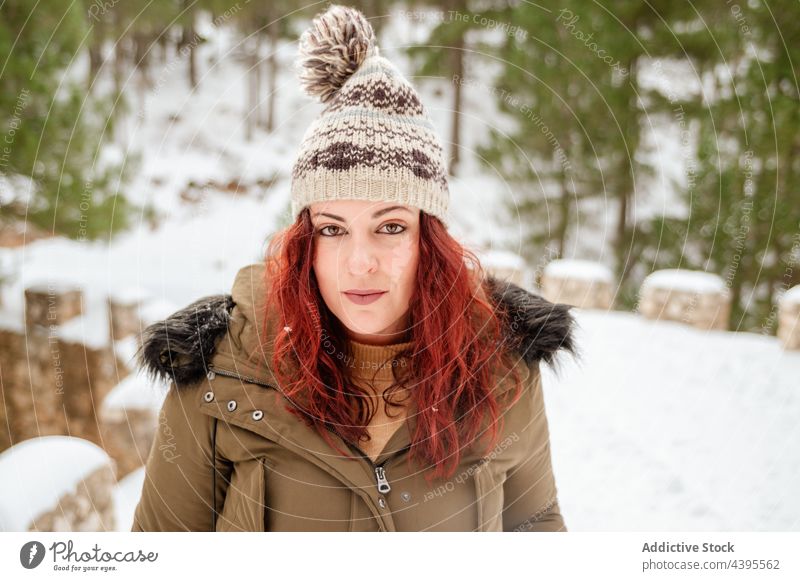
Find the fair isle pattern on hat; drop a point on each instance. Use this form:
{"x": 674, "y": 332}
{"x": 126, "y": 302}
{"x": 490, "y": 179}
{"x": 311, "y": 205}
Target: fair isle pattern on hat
{"x": 373, "y": 141}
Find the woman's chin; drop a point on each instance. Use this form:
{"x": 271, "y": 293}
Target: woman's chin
{"x": 365, "y": 330}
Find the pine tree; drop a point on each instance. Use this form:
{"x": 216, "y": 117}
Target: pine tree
{"x": 259, "y": 23}
{"x": 569, "y": 83}
{"x": 445, "y": 54}
{"x": 743, "y": 202}
{"x": 52, "y": 149}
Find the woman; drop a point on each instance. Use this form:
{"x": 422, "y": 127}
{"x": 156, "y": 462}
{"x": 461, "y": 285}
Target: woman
{"x": 367, "y": 376}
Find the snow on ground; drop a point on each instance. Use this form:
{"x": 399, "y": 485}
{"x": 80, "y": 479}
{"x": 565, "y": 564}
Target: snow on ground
{"x": 666, "y": 427}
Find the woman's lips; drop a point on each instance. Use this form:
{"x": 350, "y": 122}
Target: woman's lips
{"x": 364, "y": 299}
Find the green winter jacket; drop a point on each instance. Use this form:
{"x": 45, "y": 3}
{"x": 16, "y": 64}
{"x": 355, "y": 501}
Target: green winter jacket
{"x": 228, "y": 456}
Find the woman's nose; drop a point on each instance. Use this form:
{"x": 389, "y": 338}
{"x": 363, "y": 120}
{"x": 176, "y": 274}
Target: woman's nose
{"x": 361, "y": 261}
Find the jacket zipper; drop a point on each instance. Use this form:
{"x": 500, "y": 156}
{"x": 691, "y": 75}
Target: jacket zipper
{"x": 379, "y": 470}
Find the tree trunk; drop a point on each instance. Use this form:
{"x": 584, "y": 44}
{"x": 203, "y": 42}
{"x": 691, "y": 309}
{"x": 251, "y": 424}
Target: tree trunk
{"x": 118, "y": 72}
{"x": 119, "y": 65}
{"x": 256, "y": 71}
{"x": 251, "y": 107}
{"x": 143, "y": 58}
{"x": 95, "y": 55}
{"x": 455, "y": 125}
{"x": 563, "y": 217}
{"x": 163, "y": 44}
{"x": 627, "y": 185}
{"x": 272, "y": 77}
{"x": 190, "y": 40}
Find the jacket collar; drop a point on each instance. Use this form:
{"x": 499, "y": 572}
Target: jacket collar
{"x": 224, "y": 331}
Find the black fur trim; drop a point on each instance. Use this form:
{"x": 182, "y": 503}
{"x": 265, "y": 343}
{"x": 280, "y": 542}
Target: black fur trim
{"x": 179, "y": 347}
{"x": 535, "y": 327}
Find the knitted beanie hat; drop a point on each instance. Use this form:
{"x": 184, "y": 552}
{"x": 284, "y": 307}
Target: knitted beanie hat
{"x": 373, "y": 141}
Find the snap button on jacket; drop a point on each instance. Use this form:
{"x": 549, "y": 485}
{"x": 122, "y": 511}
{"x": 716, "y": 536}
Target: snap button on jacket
{"x": 239, "y": 461}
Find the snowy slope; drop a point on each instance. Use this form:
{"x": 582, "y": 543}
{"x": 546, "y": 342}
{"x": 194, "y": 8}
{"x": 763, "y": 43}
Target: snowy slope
{"x": 665, "y": 427}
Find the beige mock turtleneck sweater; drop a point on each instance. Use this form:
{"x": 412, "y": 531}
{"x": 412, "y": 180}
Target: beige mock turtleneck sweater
{"x": 371, "y": 367}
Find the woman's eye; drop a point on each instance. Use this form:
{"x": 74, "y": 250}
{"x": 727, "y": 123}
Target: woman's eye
{"x": 402, "y": 228}
{"x": 322, "y": 230}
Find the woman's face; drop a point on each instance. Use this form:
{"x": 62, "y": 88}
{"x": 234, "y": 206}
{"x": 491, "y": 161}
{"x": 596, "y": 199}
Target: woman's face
{"x": 367, "y": 246}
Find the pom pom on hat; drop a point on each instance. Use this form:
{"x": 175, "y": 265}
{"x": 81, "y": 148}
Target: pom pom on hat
{"x": 332, "y": 49}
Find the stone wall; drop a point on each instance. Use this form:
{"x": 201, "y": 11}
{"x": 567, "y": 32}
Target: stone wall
{"x": 699, "y": 299}
{"x": 52, "y": 384}
{"x": 32, "y": 386}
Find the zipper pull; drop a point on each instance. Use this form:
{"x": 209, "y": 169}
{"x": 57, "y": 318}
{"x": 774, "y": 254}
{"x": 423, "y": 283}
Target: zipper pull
{"x": 383, "y": 484}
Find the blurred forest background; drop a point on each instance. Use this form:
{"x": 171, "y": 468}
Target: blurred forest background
{"x": 582, "y": 96}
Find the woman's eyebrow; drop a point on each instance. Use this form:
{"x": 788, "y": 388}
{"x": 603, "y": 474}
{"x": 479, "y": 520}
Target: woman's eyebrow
{"x": 375, "y": 215}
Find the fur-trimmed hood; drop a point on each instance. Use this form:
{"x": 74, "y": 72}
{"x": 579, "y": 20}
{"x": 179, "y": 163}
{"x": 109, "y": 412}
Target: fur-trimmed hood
{"x": 180, "y": 347}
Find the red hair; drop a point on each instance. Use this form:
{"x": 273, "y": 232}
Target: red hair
{"x": 457, "y": 335}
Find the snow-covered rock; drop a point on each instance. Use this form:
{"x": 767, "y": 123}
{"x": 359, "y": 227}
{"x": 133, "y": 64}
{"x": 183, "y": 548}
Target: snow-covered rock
{"x": 691, "y": 281}
{"x": 582, "y": 283}
{"x": 700, "y": 299}
{"x": 578, "y": 269}
{"x": 56, "y": 483}
{"x": 505, "y": 265}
